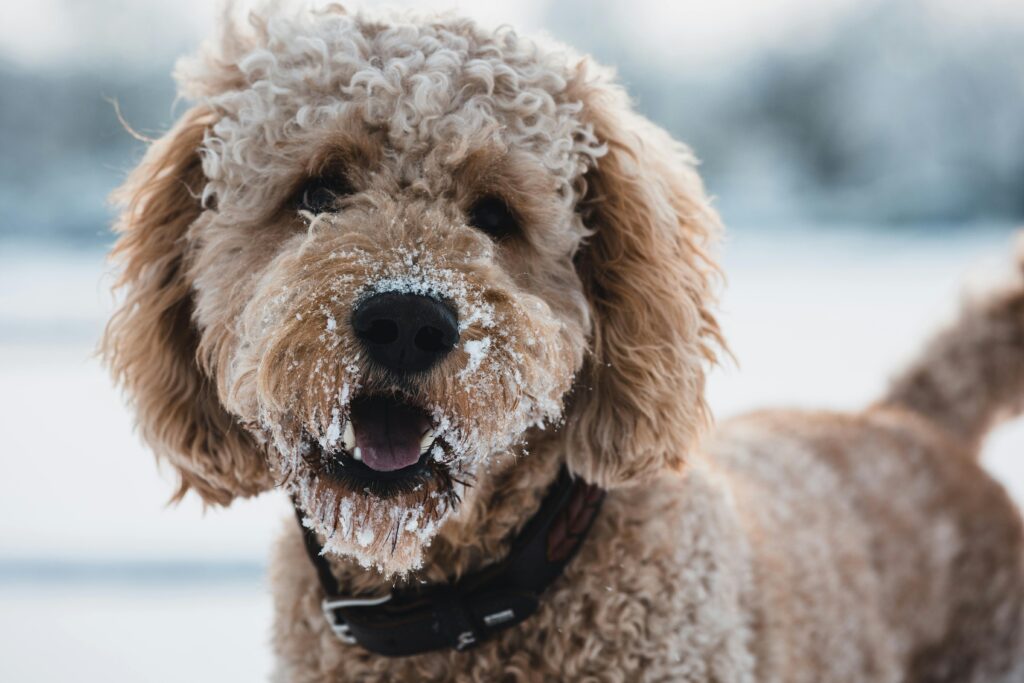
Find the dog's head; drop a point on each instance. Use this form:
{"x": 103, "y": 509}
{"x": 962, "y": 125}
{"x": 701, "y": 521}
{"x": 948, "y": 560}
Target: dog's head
{"x": 378, "y": 253}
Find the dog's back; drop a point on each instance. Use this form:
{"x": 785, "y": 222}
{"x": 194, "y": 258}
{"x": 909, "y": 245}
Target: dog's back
{"x": 881, "y": 548}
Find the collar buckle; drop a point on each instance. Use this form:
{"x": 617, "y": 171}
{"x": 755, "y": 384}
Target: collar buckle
{"x": 337, "y": 623}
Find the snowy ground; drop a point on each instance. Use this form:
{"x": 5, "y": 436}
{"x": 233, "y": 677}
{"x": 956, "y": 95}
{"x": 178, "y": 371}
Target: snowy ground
{"x": 100, "y": 581}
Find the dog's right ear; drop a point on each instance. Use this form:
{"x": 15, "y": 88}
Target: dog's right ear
{"x": 650, "y": 280}
{"x": 150, "y": 342}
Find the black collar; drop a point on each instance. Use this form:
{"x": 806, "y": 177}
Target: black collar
{"x": 463, "y": 614}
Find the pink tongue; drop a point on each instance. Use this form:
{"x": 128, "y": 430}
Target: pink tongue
{"x": 388, "y": 433}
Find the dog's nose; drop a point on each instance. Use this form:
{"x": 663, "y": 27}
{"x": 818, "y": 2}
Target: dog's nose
{"x": 406, "y": 332}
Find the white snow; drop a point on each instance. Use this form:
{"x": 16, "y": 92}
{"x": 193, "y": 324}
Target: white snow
{"x": 364, "y": 537}
{"x": 215, "y": 632}
{"x": 333, "y": 430}
{"x": 476, "y": 349}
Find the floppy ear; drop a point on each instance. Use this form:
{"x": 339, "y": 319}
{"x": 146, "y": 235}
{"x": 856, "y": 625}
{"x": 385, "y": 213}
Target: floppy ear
{"x": 639, "y": 404}
{"x": 150, "y": 342}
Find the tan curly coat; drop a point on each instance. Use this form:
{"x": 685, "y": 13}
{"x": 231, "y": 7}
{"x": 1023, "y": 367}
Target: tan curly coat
{"x": 783, "y": 547}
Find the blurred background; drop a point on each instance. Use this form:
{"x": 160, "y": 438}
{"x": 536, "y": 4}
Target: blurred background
{"x": 867, "y": 156}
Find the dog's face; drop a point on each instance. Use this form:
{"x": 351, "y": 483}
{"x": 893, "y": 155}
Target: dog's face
{"x": 378, "y": 254}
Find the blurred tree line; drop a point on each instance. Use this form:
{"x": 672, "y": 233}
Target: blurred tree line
{"x": 899, "y": 116}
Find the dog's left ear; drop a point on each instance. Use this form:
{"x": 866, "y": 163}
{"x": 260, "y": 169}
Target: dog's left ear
{"x": 638, "y": 406}
{"x": 151, "y": 341}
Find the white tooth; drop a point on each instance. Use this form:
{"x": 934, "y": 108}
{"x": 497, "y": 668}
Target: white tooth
{"x": 357, "y": 453}
{"x": 348, "y": 438}
{"x": 426, "y": 440}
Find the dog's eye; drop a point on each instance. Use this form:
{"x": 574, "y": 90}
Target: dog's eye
{"x": 319, "y": 195}
{"x": 490, "y": 214}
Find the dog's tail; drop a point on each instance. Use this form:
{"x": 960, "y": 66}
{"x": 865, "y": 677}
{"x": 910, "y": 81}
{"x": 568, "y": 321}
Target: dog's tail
{"x": 971, "y": 376}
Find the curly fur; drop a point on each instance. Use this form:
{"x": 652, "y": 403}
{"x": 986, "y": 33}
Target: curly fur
{"x": 784, "y": 547}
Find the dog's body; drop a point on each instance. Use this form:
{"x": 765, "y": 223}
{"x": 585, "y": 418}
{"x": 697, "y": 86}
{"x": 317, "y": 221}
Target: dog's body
{"x": 409, "y": 269}
{"x": 805, "y": 547}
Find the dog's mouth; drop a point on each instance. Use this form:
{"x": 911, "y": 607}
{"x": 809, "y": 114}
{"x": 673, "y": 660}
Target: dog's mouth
{"x": 386, "y": 446}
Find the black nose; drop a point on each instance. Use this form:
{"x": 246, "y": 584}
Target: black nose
{"x": 406, "y": 332}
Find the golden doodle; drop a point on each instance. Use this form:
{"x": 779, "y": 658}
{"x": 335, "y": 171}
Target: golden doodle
{"x": 449, "y": 291}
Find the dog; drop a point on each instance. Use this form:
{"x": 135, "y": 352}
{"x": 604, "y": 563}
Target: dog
{"x": 449, "y": 291}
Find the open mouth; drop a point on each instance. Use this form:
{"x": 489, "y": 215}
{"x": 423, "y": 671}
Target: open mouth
{"x": 386, "y": 446}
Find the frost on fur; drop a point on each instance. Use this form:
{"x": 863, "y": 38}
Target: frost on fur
{"x": 479, "y": 408}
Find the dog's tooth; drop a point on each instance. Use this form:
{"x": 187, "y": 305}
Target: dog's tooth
{"x": 426, "y": 440}
{"x": 348, "y": 437}
{"x": 357, "y": 453}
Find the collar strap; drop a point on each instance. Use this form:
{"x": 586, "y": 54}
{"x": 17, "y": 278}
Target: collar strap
{"x": 465, "y": 613}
